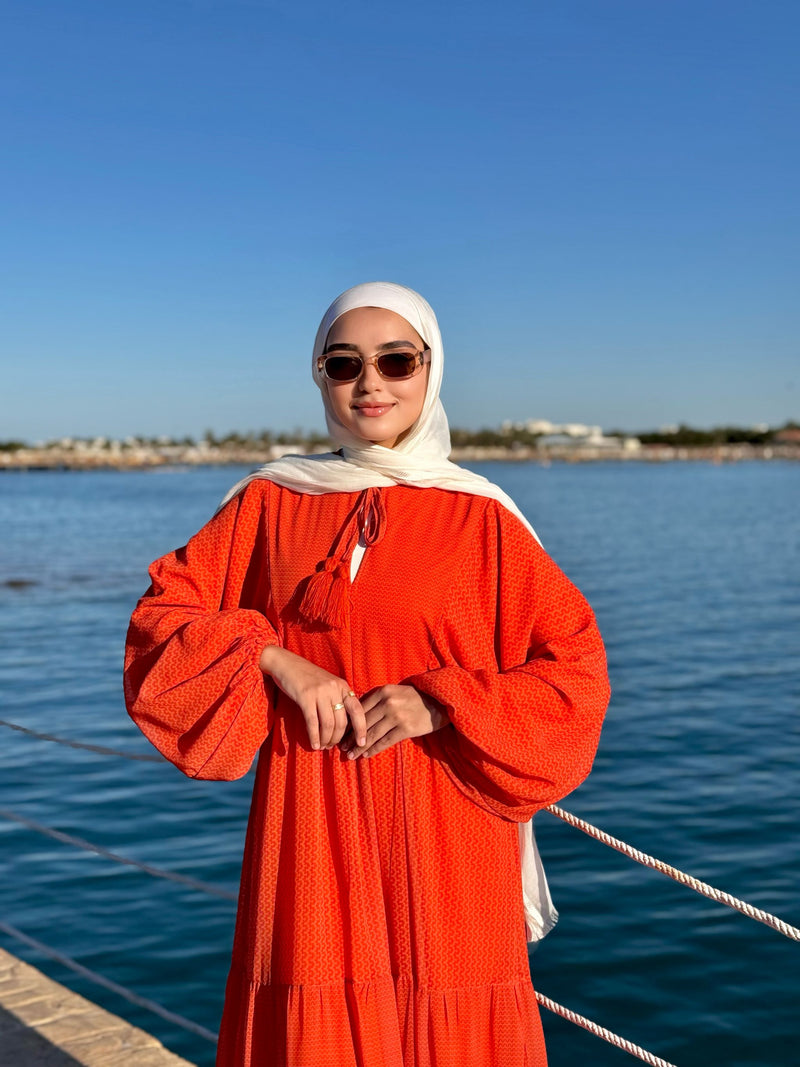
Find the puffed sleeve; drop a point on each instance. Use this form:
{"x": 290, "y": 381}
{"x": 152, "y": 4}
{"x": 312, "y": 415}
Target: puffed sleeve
{"x": 192, "y": 681}
{"x": 523, "y": 676}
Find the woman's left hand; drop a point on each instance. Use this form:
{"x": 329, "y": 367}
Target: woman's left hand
{"x": 393, "y": 713}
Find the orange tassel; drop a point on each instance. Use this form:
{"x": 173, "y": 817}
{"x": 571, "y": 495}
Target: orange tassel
{"x": 326, "y": 595}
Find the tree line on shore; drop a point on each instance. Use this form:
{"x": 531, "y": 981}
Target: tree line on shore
{"x": 682, "y": 436}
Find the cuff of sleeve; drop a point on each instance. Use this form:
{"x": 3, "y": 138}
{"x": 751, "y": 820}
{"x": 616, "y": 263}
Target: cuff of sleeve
{"x": 263, "y": 635}
{"x": 434, "y": 684}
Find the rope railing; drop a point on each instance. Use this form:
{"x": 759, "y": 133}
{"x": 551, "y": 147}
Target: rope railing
{"x": 205, "y": 887}
{"x": 572, "y": 820}
{"x": 600, "y": 1031}
{"x": 718, "y": 895}
{"x": 107, "y": 983}
{"x": 100, "y": 750}
{"x": 88, "y": 846}
{"x": 679, "y": 876}
{"x": 201, "y": 1031}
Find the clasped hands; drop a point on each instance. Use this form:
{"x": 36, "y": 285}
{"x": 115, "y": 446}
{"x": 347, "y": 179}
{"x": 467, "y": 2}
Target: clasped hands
{"x": 380, "y": 719}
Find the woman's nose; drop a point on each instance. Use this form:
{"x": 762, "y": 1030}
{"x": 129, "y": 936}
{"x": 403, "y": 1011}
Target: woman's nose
{"x": 369, "y": 377}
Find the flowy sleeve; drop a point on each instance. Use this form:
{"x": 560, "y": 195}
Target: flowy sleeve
{"x": 522, "y": 676}
{"x": 192, "y": 680}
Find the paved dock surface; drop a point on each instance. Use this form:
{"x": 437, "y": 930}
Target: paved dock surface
{"x": 43, "y": 1024}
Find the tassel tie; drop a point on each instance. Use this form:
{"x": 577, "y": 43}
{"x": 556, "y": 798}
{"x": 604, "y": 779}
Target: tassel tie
{"x": 372, "y": 517}
{"x": 328, "y": 590}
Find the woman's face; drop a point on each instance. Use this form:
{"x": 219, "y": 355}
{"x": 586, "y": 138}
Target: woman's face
{"x": 374, "y": 409}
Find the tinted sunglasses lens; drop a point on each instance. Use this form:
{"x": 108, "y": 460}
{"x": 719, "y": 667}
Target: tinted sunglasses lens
{"x": 343, "y": 368}
{"x": 397, "y": 364}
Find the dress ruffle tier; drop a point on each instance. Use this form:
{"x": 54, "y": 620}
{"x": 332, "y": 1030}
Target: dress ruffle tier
{"x": 385, "y": 1022}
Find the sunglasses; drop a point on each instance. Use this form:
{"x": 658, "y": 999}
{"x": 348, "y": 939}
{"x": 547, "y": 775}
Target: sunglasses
{"x": 392, "y": 366}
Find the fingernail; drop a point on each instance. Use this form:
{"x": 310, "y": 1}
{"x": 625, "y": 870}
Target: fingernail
{"x": 362, "y": 740}
{"x": 315, "y": 744}
{"x": 351, "y": 755}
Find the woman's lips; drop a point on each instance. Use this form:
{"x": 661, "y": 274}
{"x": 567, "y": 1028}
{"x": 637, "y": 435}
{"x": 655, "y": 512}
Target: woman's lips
{"x": 372, "y": 411}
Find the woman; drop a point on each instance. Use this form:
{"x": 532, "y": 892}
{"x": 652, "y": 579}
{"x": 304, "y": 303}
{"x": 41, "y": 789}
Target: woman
{"x": 417, "y": 678}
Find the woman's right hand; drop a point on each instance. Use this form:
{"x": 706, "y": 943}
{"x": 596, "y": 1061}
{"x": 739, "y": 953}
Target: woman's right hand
{"x": 316, "y": 692}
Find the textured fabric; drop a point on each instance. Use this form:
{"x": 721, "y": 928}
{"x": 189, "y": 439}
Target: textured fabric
{"x": 380, "y": 922}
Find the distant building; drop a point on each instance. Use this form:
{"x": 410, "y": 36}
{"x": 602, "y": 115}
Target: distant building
{"x": 570, "y": 435}
{"x": 594, "y": 440}
{"x": 539, "y": 426}
{"x": 577, "y": 429}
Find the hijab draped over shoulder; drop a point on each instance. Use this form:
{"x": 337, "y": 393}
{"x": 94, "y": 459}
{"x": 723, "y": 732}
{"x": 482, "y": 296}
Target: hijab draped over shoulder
{"x": 420, "y": 459}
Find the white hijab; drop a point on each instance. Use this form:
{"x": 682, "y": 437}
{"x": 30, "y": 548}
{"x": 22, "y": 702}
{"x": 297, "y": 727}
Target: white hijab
{"x": 420, "y": 460}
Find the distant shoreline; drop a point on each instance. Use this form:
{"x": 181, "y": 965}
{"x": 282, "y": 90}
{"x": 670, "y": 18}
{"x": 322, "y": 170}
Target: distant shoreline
{"x": 49, "y": 459}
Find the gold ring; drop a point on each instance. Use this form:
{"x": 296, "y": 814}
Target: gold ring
{"x": 351, "y": 693}
{"x": 337, "y": 707}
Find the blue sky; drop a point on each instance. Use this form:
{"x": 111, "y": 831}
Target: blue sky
{"x": 598, "y": 198}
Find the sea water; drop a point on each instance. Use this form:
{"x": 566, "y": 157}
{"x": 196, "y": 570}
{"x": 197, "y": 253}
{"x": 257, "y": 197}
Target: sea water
{"x": 692, "y": 570}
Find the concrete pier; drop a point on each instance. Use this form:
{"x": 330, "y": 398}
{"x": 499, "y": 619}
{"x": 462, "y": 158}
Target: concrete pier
{"x": 43, "y": 1024}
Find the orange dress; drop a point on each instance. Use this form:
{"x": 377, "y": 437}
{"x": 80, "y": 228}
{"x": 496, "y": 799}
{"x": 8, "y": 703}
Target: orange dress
{"x": 380, "y": 919}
